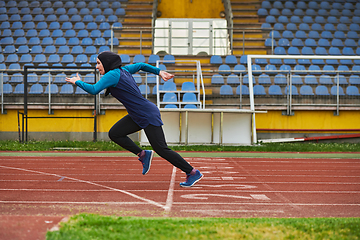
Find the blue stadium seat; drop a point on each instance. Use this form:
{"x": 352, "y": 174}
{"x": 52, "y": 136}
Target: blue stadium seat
{"x": 316, "y": 27}
{"x": 310, "y": 80}
{"x": 87, "y": 42}
{"x": 189, "y": 97}
{"x": 47, "y": 41}
{"x": 314, "y": 69}
{"x": 25, "y": 59}
{"x": 352, "y": 91}
{"x": 36, "y": 89}
{"x": 81, "y": 58}
{"x": 12, "y": 58}
{"x": 169, "y": 86}
{"x": 295, "y": 19}
{"x": 90, "y": 50}
{"x": 233, "y": 79}
{"x": 279, "y": 51}
{"x": 137, "y": 77}
{"x": 231, "y": 60}
{"x": 304, "y": 27}
{"x": 259, "y": 90}
{"x": 270, "y": 42}
{"x": 314, "y": 35}
{"x": 188, "y": 86}
{"x": 19, "y": 89}
{"x": 350, "y": 43}
{"x": 337, "y": 43}
{"x": 83, "y": 33}
{"x": 333, "y": 91}
{"x": 325, "y": 80}
{"x": 271, "y": 68}
{"x": 37, "y": 49}
{"x": 246, "y": 79}
{"x": 306, "y": 90}
{"x": 239, "y": 68}
{"x": 60, "y": 41}
{"x": 139, "y": 58}
{"x": 144, "y": 89}
{"x": 262, "y": 12}
{"x": 114, "y": 41}
{"x": 300, "y": 69}
{"x": 53, "y": 89}
{"x": 80, "y": 90}
{"x": 291, "y": 27}
{"x": 40, "y": 58}
{"x": 170, "y": 97}
{"x": 104, "y": 49}
{"x": 296, "y": 80}
{"x": 244, "y": 90}
{"x": 329, "y": 68}
{"x": 275, "y": 34}
{"x": 264, "y": 79}
{"x": 322, "y": 91}
{"x": 275, "y": 90}
{"x": 300, "y": 34}
{"x": 170, "y": 105}
{"x": 104, "y": 26}
{"x": 226, "y": 90}
{"x": 354, "y": 80}
{"x": 169, "y": 59}
{"x": 125, "y": 58}
{"x": 224, "y": 69}
{"x": 54, "y": 58}
{"x": 77, "y": 50}
{"x": 283, "y": 42}
{"x": 31, "y": 33}
{"x": 67, "y": 58}
{"x": 7, "y": 89}
{"x": 270, "y": 19}
{"x": 294, "y": 90}
{"x": 243, "y": 60}
{"x": 153, "y": 58}
{"x": 217, "y": 79}
{"x": 256, "y": 69}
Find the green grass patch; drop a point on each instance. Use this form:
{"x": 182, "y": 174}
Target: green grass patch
{"x": 92, "y": 226}
{"x": 111, "y": 146}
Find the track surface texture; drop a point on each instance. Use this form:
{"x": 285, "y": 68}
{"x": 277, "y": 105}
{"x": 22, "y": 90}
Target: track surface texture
{"x": 38, "y": 191}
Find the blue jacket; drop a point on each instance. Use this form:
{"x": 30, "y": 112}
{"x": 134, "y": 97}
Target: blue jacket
{"x": 123, "y": 87}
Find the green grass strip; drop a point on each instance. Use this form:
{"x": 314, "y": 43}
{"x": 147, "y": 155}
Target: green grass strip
{"x": 91, "y": 226}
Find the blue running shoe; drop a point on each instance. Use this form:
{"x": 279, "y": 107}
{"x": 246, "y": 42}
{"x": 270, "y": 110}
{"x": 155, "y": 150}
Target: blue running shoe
{"x": 192, "y": 178}
{"x": 146, "y": 161}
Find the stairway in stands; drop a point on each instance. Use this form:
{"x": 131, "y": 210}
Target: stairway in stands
{"x": 245, "y": 16}
{"x": 138, "y": 15}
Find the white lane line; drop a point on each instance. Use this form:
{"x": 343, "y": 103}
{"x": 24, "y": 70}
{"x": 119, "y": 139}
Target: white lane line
{"x": 209, "y": 211}
{"x": 206, "y": 196}
{"x": 260, "y": 197}
{"x": 227, "y": 178}
{"x": 63, "y": 202}
{"x": 91, "y": 183}
{"x": 170, "y": 196}
{"x": 266, "y": 204}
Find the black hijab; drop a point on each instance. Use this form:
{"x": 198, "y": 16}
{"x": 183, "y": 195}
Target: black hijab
{"x": 109, "y": 60}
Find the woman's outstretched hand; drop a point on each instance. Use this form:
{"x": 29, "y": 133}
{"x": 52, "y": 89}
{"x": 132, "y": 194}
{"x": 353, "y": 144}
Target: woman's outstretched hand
{"x": 73, "y": 79}
{"x": 165, "y": 75}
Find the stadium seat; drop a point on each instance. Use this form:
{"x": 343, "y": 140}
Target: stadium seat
{"x": 325, "y": 80}
{"x": 294, "y": 90}
{"x": 275, "y": 90}
{"x": 354, "y": 80}
{"x": 259, "y": 90}
{"x": 233, "y": 79}
{"x": 352, "y": 91}
{"x": 7, "y": 89}
{"x": 296, "y": 80}
{"x": 153, "y": 58}
{"x": 188, "y": 86}
{"x": 306, "y": 90}
{"x": 139, "y": 58}
{"x": 137, "y": 77}
{"x": 217, "y": 79}
{"x": 170, "y": 97}
{"x": 243, "y": 59}
{"x": 81, "y": 58}
{"x": 333, "y": 91}
{"x": 40, "y": 58}
{"x": 12, "y": 58}
{"x": 144, "y": 89}
{"x": 244, "y": 90}
{"x": 322, "y": 91}
{"x": 54, "y": 58}
{"x": 169, "y": 86}
{"x": 239, "y": 68}
{"x": 125, "y": 58}
{"x": 150, "y": 78}
{"x": 67, "y": 58}
{"x": 264, "y": 79}
{"x": 224, "y": 69}
{"x": 230, "y": 60}
{"x": 169, "y": 59}
{"x": 36, "y": 89}
{"x": 246, "y": 79}
{"x": 19, "y": 89}
{"x": 53, "y": 89}
{"x": 170, "y": 105}
{"x": 310, "y": 80}
{"x": 226, "y": 90}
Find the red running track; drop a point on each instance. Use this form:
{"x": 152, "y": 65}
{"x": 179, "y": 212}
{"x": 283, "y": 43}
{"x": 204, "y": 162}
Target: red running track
{"x": 53, "y": 187}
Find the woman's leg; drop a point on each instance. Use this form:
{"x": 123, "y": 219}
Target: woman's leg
{"x": 157, "y": 140}
{"x": 118, "y": 133}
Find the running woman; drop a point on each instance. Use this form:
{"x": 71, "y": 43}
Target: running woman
{"x": 142, "y": 114}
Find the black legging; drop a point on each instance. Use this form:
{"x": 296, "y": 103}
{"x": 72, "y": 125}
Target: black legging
{"x": 125, "y": 126}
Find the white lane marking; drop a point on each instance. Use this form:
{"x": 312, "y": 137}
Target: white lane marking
{"x": 206, "y": 196}
{"x": 170, "y": 196}
{"x": 238, "y": 186}
{"x": 227, "y": 178}
{"x": 91, "y": 183}
{"x": 233, "y": 211}
{"x": 260, "y": 197}
{"x": 266, "y": 204}
{"x": 63, "y": 202}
